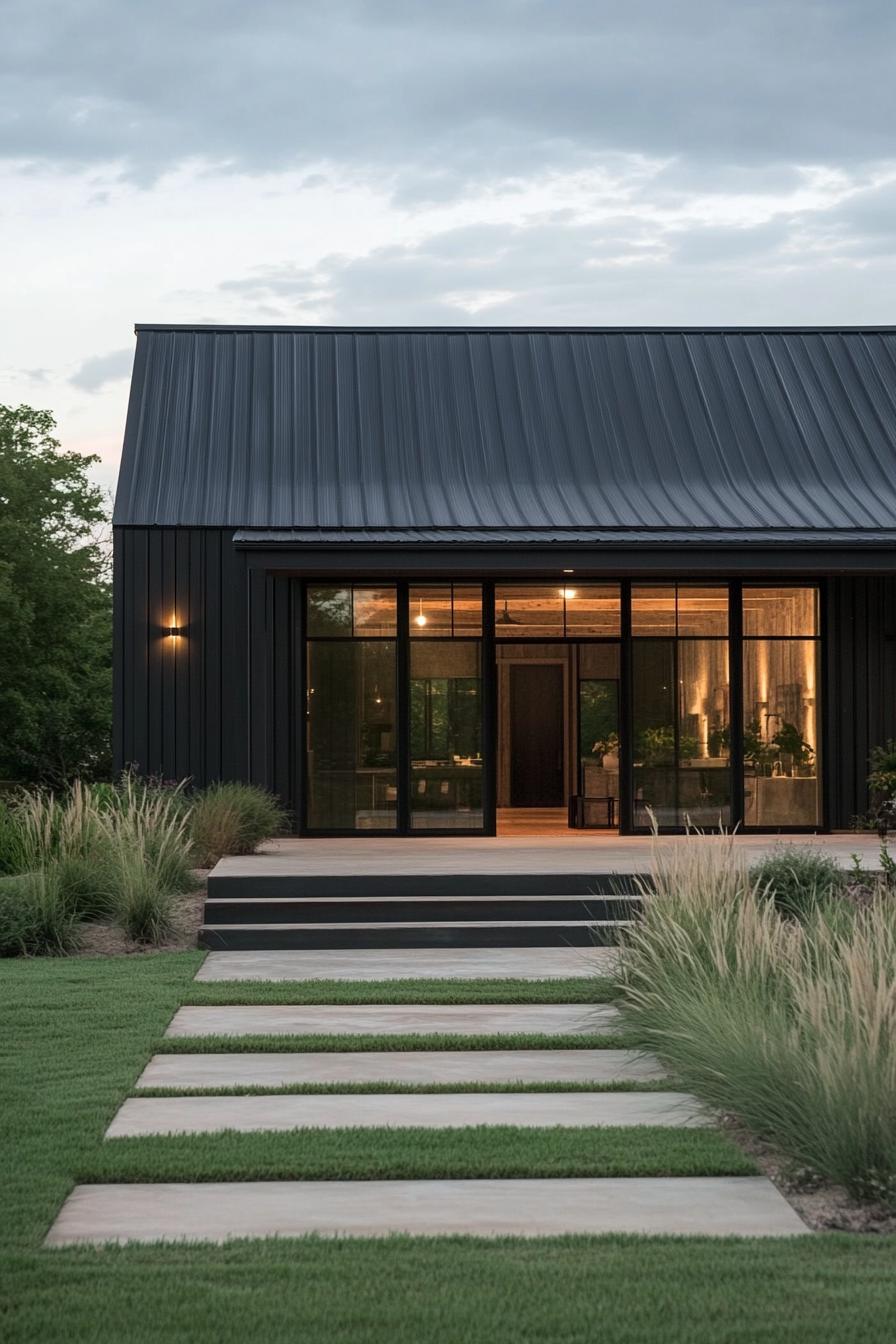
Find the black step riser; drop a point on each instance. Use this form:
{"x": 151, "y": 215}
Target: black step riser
{"x": 355, "y": 912}
{"x": 242, "y": 938}
{"x": 345, "y": 887}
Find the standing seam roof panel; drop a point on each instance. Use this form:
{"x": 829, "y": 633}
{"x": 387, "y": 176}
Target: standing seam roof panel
{"x": 513, "y": 428}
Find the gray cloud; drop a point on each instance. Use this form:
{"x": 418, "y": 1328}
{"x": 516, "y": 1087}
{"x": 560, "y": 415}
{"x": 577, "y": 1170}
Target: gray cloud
{"x": 437, "y": 95}
{"x": 99, "y": 370}
{"x": 626, "y": 270}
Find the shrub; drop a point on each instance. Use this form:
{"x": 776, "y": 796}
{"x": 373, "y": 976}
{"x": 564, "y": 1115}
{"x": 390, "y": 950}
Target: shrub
{"x": 882, "y": 779}
{"x": 35, "y": 917}
{"x": 790, "y": 1026}
{"x": 233, "y": 819}
{"x": 798, "y": 879}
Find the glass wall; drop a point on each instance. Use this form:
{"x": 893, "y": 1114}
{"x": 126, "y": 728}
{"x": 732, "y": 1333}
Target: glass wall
{"x": 781, "y": 670}
{"x": 680, "y": 705}
{"x": 445, "y": 706}
{"x": 350, "y": 693}
{"x": 599, "y": 732}
{"x": 399, "y": 677}
{"x": 557, "y": 611}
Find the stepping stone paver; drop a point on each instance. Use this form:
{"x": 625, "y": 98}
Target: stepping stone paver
{"x": 204, "y": 1115}
{"x": 192, "y": 1072}
{"x": 392, "y": 1019}
{"x": 746, "y": 1206}
{"x": 471, "y": 963}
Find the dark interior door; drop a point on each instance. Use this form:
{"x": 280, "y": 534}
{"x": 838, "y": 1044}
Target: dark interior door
{"x": 536, "y": 735}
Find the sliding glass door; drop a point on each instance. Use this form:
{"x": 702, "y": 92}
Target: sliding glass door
{"x": 680, "y": 709}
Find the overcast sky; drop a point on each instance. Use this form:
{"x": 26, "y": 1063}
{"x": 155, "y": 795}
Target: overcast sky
{"x": 449, "y": 161}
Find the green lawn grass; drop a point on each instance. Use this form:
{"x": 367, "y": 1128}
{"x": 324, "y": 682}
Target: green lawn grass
{"x": 371, "y": 1089}
{"x": 414, "y": 1154}
{"x": 207, "y": 1045}
{"x": 76, "y": 1035}
{"x": 580, "y": 989}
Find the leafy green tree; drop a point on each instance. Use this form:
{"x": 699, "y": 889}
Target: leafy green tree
{"x": 55, "y": 607}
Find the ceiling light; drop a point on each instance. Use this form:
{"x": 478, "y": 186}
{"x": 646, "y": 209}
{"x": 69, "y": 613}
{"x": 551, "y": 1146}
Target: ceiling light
{"x": 568, "y": 593}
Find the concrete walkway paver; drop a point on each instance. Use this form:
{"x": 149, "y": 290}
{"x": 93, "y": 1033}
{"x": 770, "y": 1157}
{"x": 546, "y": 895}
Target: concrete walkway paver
{"x": 407, "y": 1110}
{"x": 420, "y": 963}
{"x": 392, "y": 1019}
{"x": 192, "y": 1072}
{"x": 746, "y": 1206}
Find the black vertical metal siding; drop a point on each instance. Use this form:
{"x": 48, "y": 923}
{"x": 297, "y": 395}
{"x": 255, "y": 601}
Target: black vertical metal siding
{"x": 861, "y": 686}
{"x": 181, "y": 706}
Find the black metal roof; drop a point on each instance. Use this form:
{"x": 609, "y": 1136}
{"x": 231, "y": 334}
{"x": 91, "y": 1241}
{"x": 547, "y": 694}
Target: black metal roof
{"x": 509, "y": 431}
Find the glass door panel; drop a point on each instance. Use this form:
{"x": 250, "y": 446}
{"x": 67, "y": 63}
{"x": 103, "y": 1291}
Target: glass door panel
{"x": 350, "y": 727}
{"x": 446, "y": 735}
{"x": 681, "y": 726}
{"x": 654, "y": 721}
{"x": 704, "y": 733}
{"x": 782, "y": 774}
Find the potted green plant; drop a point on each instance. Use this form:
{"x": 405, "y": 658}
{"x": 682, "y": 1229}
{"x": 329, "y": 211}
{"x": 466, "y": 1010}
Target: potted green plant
{"x": 719, "y": 741}
{"x": 789, "y": 741}
{"x": 656, "y": 747}
{"x": 757, "y": 752}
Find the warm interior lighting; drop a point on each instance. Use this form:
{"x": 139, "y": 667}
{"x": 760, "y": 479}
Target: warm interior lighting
{"x": 420, "y": 619}
{"x": 568, "y": 593}
{"x": 175, "y": 631}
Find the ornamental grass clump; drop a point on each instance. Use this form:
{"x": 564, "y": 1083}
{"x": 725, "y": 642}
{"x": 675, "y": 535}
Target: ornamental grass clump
{"x": 146, "y": 861}
{"x": 65, "y": 834}
{"x": 788, "y": 1025}
{"x": 232, "y": 818}
{"x": 36, "y": 919}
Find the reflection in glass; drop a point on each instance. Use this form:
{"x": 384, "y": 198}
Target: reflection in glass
{"x": 702, "y": 610}
{"x": 437, "y": 610}
{"x": 528, "y": 611}
{"x": 653, "y": 609}
{"x": 524, "y": 611}
{"x": 592, "y": 609}
{"x": 683, "y": 609}
{"x": 329, "y": 611}
{"x": 782, "y": 777}
{"x": 681, "y": 720}
{"x": 374, "y": 611}
{"x": 780, "y": 611}
{"x": 351, "y": 735}
{"x": 446, "y": 735}
{"x": 336, "y": 611}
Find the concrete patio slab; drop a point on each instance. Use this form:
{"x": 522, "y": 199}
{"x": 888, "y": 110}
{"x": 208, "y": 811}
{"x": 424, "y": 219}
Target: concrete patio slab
{"x": 570, "y": 851}
{"x": 409, "y": 1110}
{"x": 429, "y": 963}
{"x": 392, "y": 1019}
{"x": 745, "y": 1206}
{"x": 192, "y": 1072}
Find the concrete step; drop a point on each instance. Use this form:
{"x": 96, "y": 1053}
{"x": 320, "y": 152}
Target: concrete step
{"x": 195, "y": 1072}
{"x": 469, "y": 933}
{"x": 427, "y": 963}
{"x": 394, "y": 1019}
{"x": 216, "y": 1211}
{"x": 251, "y": 878}
{"x": 404, "y": 1110}
{"x": 417, "y": 909}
